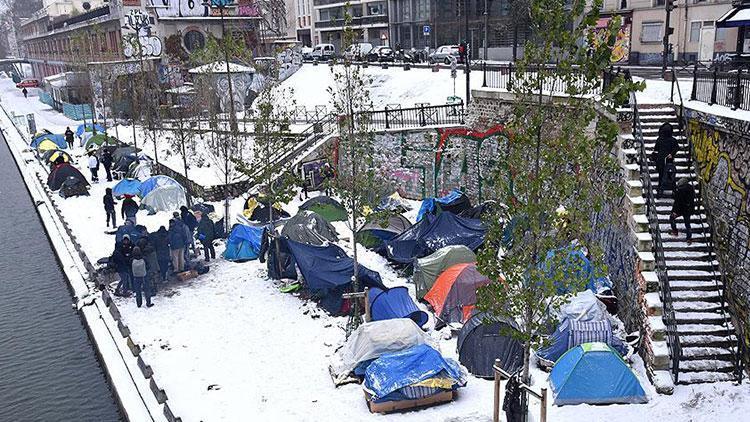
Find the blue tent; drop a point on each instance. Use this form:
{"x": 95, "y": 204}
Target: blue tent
{"x": 394, "y": 303}
{"x": 572, "y": 333}
{"x": 127, "y": 187}
{"x": 59, "y": 140}
{"x": 154, "y": 182}
{"x": 88, "y": 127}
{"x": 327, "y": 271}
{"x": 593, "y": 373}
{"x": 431, "y": 234}
{"x": 391, "y": 372}
{"x": 243, "y": 243}
{"x": 455, "y": 201}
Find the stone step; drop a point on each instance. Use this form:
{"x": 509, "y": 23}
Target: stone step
{"x": 694, "y": 285}
{"x": 704, "y": 377}
{"x": 698, "y": 318}
{"x": 692, "y": 275}
{"x": 643, "y": 110}
{"x": 695, "y": 219}
{"x": 703, "y": 353}
{"x": 683, "y": 246}
{"x": 695, "y": 295}
{"x": 696, "y": 306}
{"x": 697, "y": 237}
{"x": 673, "y": 265}
{"x": 708, "y": 340}
{"x": 706, "y": 365}
{"x": 704, "y": 329}
{"x": 692, "y": 255}
{"x": 694, "y": 228}
{"x": 664, "y": 209}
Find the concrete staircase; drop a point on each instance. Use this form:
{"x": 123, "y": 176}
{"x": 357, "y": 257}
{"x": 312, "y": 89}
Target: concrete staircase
{"x": 706, "y": 336}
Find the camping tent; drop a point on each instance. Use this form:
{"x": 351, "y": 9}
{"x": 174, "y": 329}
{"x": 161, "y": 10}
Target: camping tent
{"x": 483, "y": 339}
{"x": 429, "y": 268}
{"x": 375, "y": 232}
{"x": 258, "y": 211}
{"x": 394, "y": 303}
{"x": 58, "y": 140}
{"x": 155, "y": 182}
{"x": 478, "y": 211}
{"x": 126, "y": 187}
{"x": 165, "y": 198}
{"x": 454, "y": 294}
{"x": 374, "y": 339}
{"x": 455, "y": 202}
{"x": 52, "y": 155}
{"x": 593, "y": 373}
{"x": 327, "y": 207}
{"x": 60, "y": 173}
{"x": 46, "y": 145}
{"x": 140, "y": 170}
{"x": 88, "y": 127}
{"x": 571, "y": 333}
{"x": 431, "y": 234}
{"x": 243, "y": 243}
{"x": 73, "y": 186}
{"x": 393, "y": 203}
{"x": 100, "y": 139}
{"x": 280, "y": 260}
{"x": 309, "y": 227}
{"x": 327, "y": 271}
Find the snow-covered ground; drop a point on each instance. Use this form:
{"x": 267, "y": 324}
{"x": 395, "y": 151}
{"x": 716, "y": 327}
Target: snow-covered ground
{"x": 228, "y": 346}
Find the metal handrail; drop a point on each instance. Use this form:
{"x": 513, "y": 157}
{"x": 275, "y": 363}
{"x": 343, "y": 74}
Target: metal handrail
{"x": 675, "y": 349}
{"x": 736, "y": 354}
{"x": 499, "y": 375}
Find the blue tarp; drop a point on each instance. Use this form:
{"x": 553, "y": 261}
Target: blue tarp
{"x": 593, "y": 373}
{"x": 127, "y": 187}
{"x": 154, "y": 182}
{"x": 394, "y": 303}
{"x": 433, "y": 233}
{"x": 89, "y": 128}
{"x": 393, "y": 371}
{"x": 59, "y": 140}
{"x": 454, "y": 197}
{"x": 243, "y": 243}
{"x": 134, "y": 232}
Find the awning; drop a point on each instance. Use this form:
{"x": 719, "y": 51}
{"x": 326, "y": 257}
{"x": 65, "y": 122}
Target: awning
{"x": 737, "y": 17}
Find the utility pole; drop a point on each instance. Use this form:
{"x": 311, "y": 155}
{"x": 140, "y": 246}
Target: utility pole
{"x": 467, "y": 59}
{"x": 486, "y": 21}
{"x": 668, "y": 30}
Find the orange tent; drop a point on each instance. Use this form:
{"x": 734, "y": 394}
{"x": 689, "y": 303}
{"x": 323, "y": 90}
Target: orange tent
{"x": 454, "y": 294}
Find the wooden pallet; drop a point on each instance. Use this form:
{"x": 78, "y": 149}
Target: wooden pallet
{"x": 403, "y": 405}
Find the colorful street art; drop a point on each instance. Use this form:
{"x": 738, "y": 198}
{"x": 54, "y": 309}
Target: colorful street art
{"x": 621, "y": 49}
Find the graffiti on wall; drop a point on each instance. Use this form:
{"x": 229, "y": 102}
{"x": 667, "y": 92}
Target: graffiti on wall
{"x": 137, "y": 38}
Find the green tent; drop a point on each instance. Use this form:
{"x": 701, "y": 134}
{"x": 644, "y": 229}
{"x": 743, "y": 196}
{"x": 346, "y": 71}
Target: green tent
{"x": 429, "y": 268}
{"x": 100, "y": 139}
{"x": 328, "y": 208}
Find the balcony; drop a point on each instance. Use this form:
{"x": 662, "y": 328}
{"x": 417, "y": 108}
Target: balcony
{"x": 356, "y": 22}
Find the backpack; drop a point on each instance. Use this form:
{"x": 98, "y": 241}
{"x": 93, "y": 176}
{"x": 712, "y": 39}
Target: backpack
{"x": 669, "y": 179}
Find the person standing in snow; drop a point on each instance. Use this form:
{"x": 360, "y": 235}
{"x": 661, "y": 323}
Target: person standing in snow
{"x": 190, "y": 223}
{"x": 140, "y": 280}
{"x": 121, "y": 260}
{"x": 160, "y": 240}
{"x": 683, "y": 206}
{"x": 129, "y": 209}
{"x": 107, "y": 163}
{"x": 177, "y": 242}
{"x": 206, "y": 235}
{"x": 69, "y": 137}
{"x": 25, "y": 93}
{"x": 93, "y": 166}
{"x": 109, "y": 207}
{"x": 148, "y": 250}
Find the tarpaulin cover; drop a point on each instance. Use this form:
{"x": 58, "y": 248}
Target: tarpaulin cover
{"x": 261, "y": 213}
{"x": 88, "y": 127}
{"x": 374, "y": 339}
{"x": 140, "y": 170}
{"x": 243, "y": 243}
{"x": 393, "y": 203}
{"x": 309, "y": 227}
{"x": 433, "y": 233}
{"x": 60, "y": 173}
{"x": 134, "y": 232}
{"x": 572, "y": 333}
{"x": 593, "y": 373}
{"x": 394, "y": 303}
{"x": 429, "y": 268}
{"x": 455, "y": 202}
{"x": 380, "y": 230}
{"x": 165, "y": 198}
{"x": 154, "y": 182}
{"x": 454, "y": 294}
{"x": 483, "y": 339}
{"x": 58, "y": 140}
{"x": 327, "y": 207}
{"x": 583, "y": 307}
{"x": 393, "y": 371}
{"x": 576, "y": 266}
{"x": 127, "y": 187}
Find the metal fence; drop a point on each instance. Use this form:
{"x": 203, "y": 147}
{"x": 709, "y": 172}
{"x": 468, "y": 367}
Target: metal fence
{"x": 505, "y": 75}
{"x": 395, "y": 117}
{"x": 725, "y": 88}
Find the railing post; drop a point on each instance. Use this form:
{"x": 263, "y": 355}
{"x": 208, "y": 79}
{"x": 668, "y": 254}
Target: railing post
{"x": 737, "y": 100}
{"x": 713, "y": 87}
{"x": 484, "y": 74}
{"x": 510, "y": 76}
{"x": 496, "y": 409}
{"x": 422, "y": 121}
{"x": 543, "y": 413}
{"x": 694, "y": 91}
{"x": 387, "y": 123}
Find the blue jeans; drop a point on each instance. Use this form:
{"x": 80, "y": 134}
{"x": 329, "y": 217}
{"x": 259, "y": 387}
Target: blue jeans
{"x": 142, "y": 286}
{"x": 124, "y": 284}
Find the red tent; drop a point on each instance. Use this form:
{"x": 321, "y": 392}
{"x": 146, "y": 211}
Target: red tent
{"x": 454, "y": 294}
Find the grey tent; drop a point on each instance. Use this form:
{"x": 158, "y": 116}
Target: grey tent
{"x": 484, "y": 339}
{"x": 165, "y": 198}
{"x": 429, "y": 268}
{"x": 309, "y": 228}
{"x": 375, "y": 232}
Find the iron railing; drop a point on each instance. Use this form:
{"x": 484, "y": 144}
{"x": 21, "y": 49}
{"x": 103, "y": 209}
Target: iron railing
{"x": 710, "y": 235}
{"x": 395, "y": 117}
{"x": 725, "y": 88}
{"x": 670, "y": 323}
{"x": 503, "y": 76}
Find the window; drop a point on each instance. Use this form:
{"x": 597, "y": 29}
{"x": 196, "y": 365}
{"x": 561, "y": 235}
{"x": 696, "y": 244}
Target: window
{"x": 651, "y": 31}
{"x": 658, "y": 2}
{"x": 194, "y": 40}
{"x": 721, "y": 34}
{"x": 695, "y": 31}
{"x": 376, "y": 8}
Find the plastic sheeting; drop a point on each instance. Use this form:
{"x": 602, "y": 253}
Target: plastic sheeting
{"x": 88, "y": 127}
{"x": 394, "y": 303}
{"x": 243, "y": 243}
{"x": 374, "y": 339}
{"x": 310, "y": 228}
{"x": 393, "y": 371}
{"x": 58, "y": 140}
{"x": 593, "y": 373}
{"x": 429, "y": 268}
{"x": 482, "y": 340}
{"x": 327, "y": 207}
{"x": 572, "y": 333}
{"x": 454, "y": 202}
{"x": 156, "y": 182}
{"x": 584, "y": 307}
{"x": 433, "y": 233}
{"x": 126, "y": 187}
{"x": 165, "y": 198}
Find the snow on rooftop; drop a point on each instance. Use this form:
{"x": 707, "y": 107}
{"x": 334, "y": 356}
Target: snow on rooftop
{"x": 221, "y": 67}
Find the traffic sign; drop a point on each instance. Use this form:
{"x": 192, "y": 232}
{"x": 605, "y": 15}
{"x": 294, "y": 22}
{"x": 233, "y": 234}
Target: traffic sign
{"x": 426, "y": 30}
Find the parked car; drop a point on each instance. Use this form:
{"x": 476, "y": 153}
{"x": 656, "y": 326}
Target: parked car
{"x": 28, "y": 83}
{"x": 307, "y": 53}
{"x": 358, "y": 51}
{"x": 324, "y": 52}
{"x": 381, "y": 54}
{"x": 443, "y": 54}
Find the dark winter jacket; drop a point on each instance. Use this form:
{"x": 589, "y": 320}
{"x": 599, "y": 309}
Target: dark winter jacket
{"x": 129, "y": 208}
{"x": 106, "y": 159}
{"x": 149, "y": 254}
{"x": 176, "y": 233}
{"x": 160, "y": 240}
{"x": 109, "y": 201}
{"x": 188, "y": 218}
{"x": 69, "y": 136}
{"x": 666, "y": 144}
{"x": 684, "y": 200}
{"x": 122, "y": 255}
{"x": 206, "y": 231}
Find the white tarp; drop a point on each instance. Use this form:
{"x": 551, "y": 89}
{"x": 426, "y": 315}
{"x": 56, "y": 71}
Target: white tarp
{"x": 165, "y": 198}
{"x": 584, "y": 307}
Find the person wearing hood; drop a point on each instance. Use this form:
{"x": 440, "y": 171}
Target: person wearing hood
{"x": 190, "y": 223}
{"x": 121, "y": 259}
{"x": 129, "y": 209}
{"x": 177, "y": 242}
{"x": 206, "y": 235}
{"x": 683, "y": 206}
{"x": 109, "y": 207}
{"x": 665, "y": 150}
{"x": 94, "y": 166}
{"x": 141, "y": 285}
{"x": 152, "y": 262}
{"x": 107, "y": 163}
{"x": 160, "y": 240}
{"x": 69, "y": 137}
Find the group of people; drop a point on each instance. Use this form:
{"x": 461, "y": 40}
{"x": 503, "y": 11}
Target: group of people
{"x": 94, "y": 162}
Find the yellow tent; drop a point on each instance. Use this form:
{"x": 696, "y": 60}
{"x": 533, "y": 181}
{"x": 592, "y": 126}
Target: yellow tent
{"x": 53, "y": 157}
{"x": 46, "y": 145}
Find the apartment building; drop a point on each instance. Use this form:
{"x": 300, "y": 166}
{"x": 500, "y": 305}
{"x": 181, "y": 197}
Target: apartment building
{"x": 369, "y": 21}
{"x": 304, "y": 21}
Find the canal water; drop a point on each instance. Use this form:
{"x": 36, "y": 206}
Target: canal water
{"x": 48, "y": 367}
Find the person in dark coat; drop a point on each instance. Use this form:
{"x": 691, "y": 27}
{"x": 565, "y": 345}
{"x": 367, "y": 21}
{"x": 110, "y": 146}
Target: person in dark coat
{"x": 191, "y": 223}
{"x": 160, "y": 240}
{"x": 25, "y": 93}
{"x": 109, "y": 207}
{"x": 107, "y": 163}
{"x": 683, "y": 206}
{"x": 152, "y": 262}
{"x": 141, "y": 285}
{"x": 177, "y": 242}
{"x": 121, "y": 259}
{"x": 69, "y": 137}
{"x": 129, "y": 209}
{"x": 665, "y": 150}
{"x": 206, "y": 235}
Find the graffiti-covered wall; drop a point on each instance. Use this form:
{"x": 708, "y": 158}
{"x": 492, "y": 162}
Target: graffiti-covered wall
{"x": 722, "y": 153}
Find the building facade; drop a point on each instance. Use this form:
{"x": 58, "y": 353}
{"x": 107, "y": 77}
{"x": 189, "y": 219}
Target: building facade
{"x": 304, "y": 22}
{"x": 369, "y": 21}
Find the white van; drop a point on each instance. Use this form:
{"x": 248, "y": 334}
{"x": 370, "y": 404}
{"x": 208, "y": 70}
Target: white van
{"x": 324, "y": 52}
